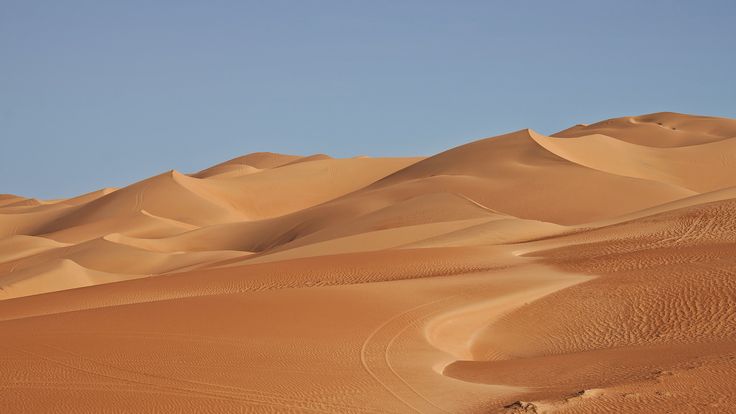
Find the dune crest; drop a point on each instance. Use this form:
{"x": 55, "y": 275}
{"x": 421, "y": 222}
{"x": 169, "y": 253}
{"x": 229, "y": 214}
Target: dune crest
{"x": 661, "y": 129}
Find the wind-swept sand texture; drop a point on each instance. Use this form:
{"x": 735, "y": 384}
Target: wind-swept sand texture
{"x": 590, "y": 271}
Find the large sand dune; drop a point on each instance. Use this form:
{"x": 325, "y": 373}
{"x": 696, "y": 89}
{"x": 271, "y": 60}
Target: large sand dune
{"x": 585, "y": 272}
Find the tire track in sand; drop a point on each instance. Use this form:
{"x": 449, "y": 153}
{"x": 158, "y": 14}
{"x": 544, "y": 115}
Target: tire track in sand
{"x": 373, "y": 372}
{"x": 383, "y": 337}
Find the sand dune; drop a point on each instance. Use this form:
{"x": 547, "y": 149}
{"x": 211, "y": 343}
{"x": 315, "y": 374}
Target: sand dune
{"x": 661, "y": 130}
{"x": 584, "y": 272}
{"x": 6, "y": 199}
{"x": 700, "y": 168}
{"x": 487, "y": 171}
{"x": 15, "y": 247}
{"x": 52, "y": 275}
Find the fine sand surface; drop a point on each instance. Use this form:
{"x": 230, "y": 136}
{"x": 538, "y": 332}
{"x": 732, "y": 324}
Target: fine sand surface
{"x": 591, "y": 271}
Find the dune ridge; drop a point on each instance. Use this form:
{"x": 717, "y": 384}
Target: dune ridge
{"x": 587, "y": 271}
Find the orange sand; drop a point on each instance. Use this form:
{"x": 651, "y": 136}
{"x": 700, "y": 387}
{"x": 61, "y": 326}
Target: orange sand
{"x": 589, "y": 271}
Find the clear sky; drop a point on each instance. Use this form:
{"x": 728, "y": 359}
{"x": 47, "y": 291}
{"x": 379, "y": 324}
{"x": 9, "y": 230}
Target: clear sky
{"x": 103, "y": 93}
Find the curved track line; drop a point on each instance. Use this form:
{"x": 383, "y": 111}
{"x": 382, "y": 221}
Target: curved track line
{"x": 412, "y": 323}
{"x": 393, "y": 370}
{"x": 370, "y": 337}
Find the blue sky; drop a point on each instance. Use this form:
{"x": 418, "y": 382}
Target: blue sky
{"x": 103, "y": 93}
